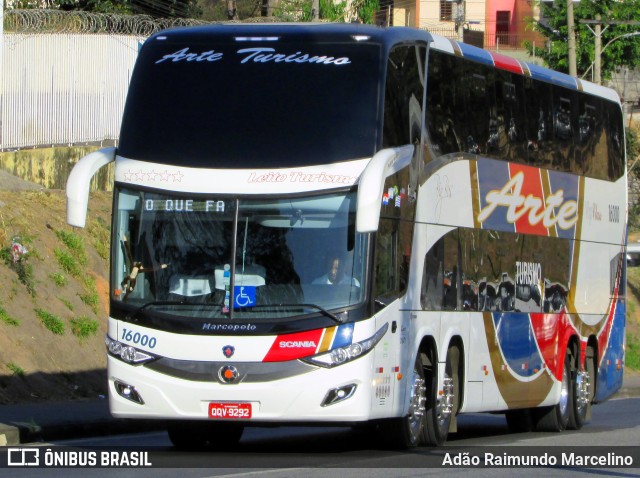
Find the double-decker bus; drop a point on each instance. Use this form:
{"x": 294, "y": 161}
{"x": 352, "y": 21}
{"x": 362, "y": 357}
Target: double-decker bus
{"x": 346, "y": 224}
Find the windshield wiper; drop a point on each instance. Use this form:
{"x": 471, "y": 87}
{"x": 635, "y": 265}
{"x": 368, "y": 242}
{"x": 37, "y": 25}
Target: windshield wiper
{"x": 322, "y": 310}
{"x": 135, "y": 313}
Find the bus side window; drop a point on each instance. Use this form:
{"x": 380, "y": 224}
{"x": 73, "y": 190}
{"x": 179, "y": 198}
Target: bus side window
{"x": 432, "y": 290}
{"x": 385, "y": 280}
{"x": 441, "y": 285}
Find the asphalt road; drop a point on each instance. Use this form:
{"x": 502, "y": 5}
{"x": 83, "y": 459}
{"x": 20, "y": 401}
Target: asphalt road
{"x": 315, "y": 452}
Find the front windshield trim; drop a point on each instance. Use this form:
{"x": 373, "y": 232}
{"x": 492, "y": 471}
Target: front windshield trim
{"x": 136, "y": 223}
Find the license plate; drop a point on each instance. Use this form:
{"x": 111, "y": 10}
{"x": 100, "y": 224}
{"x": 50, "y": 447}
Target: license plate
{"x": 233, "y": 411}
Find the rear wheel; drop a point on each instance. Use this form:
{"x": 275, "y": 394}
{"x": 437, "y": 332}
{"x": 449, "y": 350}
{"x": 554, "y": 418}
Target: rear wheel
{"x": 556, "y": 418}
{"x": 442, "y": 406}
{"x": 194, "y": 435}
{"x": 583, "y": 392}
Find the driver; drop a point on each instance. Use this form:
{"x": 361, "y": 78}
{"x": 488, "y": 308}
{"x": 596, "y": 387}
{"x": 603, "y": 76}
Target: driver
{"x": 335, "y": 267}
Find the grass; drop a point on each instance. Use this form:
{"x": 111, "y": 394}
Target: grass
{"x": 68, "y": 263}
{"x": 84, "y": 327}
{"x": 74, "y": 243}
{"x": 21, "y": 267}
{"x": 632, "y": 351}
{"x": 58, "y": 279}
{"x": 100, "y": 233}
{"x": 90, "y": 296}
{"x": 51, "y": 322}
{"x": 4, "y": 317}
{"x": 15, "y": 369}
{"x": 66, "y": 302}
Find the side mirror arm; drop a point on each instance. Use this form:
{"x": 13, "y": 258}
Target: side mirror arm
{"x": 79, "y": 182}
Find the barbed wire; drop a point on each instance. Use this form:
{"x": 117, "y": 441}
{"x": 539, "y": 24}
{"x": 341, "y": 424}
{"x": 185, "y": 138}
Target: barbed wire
{"x": 57, "y": 21}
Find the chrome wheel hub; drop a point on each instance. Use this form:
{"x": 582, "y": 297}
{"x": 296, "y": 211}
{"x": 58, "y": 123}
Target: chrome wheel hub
{"x": 416, "y": 406}
{"x": 583, "y": 385}
{"x": 445, "y": 402}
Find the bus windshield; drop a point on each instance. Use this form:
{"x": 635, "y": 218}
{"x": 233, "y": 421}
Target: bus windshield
{"x": 259, "y": 105}
{"x": 293, "y": 256}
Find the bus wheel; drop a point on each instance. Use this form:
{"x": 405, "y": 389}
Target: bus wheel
{"x": 195, "y": 435}
{"x": 556, "y": 418}
{"x": 583, "y": 391}
{"x": 441, "y": 407}
{"x": 408, "y": 431}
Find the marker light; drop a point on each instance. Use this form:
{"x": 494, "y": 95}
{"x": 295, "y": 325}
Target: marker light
{"x": 127, "y": 391}
{"x": 257, "y": 38}
{"x": 126, "y": 353}
{"x": 348, "y": 353}
{"x": 338, "y": 394}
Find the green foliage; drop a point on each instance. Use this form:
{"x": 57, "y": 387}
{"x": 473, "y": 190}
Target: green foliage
{"x": 15, "y": 369}
{"x": 98, "y": 6}
{"x": 20, "y": 266}
{"x": 633, "y": 166}
{"x": 365, "y": 10}
{"x": 66, "y": 302}
{"x": 51, "y": 322}
{"x": 58, "y": 279}
{"x": 4, "y": 317}
{"x": 100, "y": 237}
{"x": 292, "y": 10}
{"x": 84, "y": 327}
{"x": 632, "y": 353}
{"x": 90, "y": 296}
{"x": 620, "y": 52}
{"x": 67, "y": 262}
{"x": 75, "y": 243}
{"x": 217, "y": 10}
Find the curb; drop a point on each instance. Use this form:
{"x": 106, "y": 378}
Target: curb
{"x": 18, "y": 433}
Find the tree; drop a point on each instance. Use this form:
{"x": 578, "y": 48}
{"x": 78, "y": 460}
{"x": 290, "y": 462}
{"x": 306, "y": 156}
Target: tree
{"x": 618, "y": 53}
{"x": 154, "y": 8}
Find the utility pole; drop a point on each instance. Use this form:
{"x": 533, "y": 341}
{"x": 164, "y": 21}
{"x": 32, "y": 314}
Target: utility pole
{"x": 598, "y": 31}
{"x": 460, "y": 19}
{"x": 597, "y": 61}
{"x": 573, "y": 70}
{"x": 315, "y": 10}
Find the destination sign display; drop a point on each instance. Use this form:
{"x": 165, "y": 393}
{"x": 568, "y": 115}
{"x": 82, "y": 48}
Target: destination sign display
{"x": 188, "y": 205}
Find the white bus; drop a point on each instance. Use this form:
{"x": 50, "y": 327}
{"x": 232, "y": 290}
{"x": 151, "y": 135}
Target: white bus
{"x": 346, "y": 224}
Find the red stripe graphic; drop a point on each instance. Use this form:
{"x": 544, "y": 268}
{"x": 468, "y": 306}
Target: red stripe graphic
{"x": 533, "y": 196}
{"x": 294, "y": 346}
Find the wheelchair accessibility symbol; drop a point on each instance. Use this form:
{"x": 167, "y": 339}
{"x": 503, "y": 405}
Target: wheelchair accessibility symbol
{"x": 244, "y": 296}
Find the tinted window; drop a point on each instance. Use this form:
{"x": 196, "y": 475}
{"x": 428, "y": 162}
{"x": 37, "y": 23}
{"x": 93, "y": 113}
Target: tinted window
{"x": 404, "y": 92}
{"x": 476, "y": 109}
{"x": 249, "y": 108}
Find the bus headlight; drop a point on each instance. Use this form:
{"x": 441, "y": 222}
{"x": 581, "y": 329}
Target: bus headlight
{"x": 126, "y": 353}
{"x": 348, "y": 353}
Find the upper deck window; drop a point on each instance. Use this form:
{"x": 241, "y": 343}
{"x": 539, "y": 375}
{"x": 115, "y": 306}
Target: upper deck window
{"x": 252, "y": 104}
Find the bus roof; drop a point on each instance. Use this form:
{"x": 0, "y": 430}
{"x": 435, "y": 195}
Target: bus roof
{"x": 387, "y": 36}
{"x": 330, "y": 32}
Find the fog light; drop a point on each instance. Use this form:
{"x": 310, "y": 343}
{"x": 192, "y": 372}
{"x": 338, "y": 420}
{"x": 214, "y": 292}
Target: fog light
{"x": 128, "y": 391}
{"x": 338, "y": 394}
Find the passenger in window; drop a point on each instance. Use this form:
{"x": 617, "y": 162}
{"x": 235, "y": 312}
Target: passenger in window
{"x": 336, "y": 272}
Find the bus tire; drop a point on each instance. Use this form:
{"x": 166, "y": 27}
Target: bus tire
{"x": 520, "y": 421}
{"x": 556, "y": 417}
{"x": 583, "y": 392}
{"x": 409, "y": 431}
{"x": 197, "y": 435}
{"x": 441, "y": 408}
